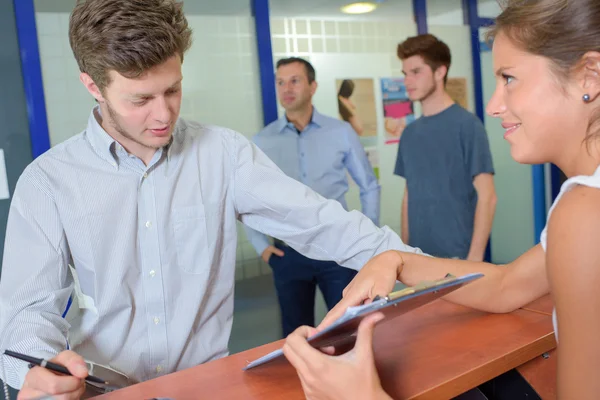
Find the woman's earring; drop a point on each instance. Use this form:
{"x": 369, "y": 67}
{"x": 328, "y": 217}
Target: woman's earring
{"x": 586, "y": 98}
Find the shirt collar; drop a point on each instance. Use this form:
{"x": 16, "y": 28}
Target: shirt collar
{"x": 100, "y": 140}
{"x": 316, "y": 119}
{"x": 104, "y": 144}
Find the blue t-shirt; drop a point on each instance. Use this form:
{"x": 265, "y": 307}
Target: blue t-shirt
{"x": 439, "y": 156}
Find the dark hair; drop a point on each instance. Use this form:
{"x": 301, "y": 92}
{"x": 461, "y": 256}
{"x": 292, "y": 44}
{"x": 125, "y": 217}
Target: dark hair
{"x": 127, "y": 36}
{"x": 310, "y": 70}
{"x": 435, "y": 53}
{"x": 346, "y": 90}
{"x": 560, "y": 30}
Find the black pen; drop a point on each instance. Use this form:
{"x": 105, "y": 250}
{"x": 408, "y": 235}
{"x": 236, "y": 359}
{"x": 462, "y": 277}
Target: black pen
{"x": 40, "y": 362}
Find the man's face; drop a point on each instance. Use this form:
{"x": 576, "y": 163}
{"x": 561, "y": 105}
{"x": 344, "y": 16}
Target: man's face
{"x": 141, "y": 113}
{"x": 419, "y": 78}
{"x": 293, "y": 89}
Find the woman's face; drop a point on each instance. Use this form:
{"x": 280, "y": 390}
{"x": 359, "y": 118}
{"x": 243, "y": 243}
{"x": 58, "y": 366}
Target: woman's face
{"x": 544, "y": 121}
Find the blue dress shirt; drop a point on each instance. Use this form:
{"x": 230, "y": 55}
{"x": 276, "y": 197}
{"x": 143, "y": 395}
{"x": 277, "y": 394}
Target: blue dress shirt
{"x": 319, "y": 157}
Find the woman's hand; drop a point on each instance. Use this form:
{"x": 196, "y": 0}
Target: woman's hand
{"x": 350, "y": 376}
{"x": 377, "y": 278}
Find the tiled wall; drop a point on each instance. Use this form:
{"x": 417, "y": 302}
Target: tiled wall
{"x": 68, "y": 103}
{"x": 306, "y": 36}
{"x": 221, "y": 82}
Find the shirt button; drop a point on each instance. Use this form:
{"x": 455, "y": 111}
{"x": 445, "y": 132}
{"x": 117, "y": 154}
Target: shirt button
{"x": 156, "y": 320}
{"x": 152, "y": 273}
{"x": 148, "y": 224}
{"x": 145, "y": 175}
{"x": 158, "y": 368}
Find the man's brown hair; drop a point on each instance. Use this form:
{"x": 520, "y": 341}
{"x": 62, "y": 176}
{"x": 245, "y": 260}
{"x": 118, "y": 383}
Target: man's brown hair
{"x": 127, "y": 36}
{"x": 435, "y": 53}
{"x": 310, "y": 70}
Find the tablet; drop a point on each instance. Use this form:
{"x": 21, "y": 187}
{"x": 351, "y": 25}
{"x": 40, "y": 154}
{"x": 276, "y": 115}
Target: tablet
{"x": 393, "y": 305}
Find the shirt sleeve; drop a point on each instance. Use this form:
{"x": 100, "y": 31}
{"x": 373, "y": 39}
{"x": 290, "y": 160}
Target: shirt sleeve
{"x": 399, "y": 168}
{"x": 258, "y": 240}
{"x": 36, "y": 284}
{"x": 269, "y": 201}
{"x": 478, "y": 156}
{"x": 361, "y": 170}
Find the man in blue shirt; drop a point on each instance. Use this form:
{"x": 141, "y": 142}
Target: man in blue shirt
{"x": 316, "y": 150}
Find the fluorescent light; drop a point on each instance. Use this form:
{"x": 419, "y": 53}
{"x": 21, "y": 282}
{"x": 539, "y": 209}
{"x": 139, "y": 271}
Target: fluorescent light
{"x": 358, "y": 8}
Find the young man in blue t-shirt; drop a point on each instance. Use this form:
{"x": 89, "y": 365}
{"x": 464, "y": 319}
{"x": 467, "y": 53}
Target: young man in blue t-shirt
{"x": 450, "y": 200}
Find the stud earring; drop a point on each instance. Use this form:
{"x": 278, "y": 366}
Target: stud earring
{"x": 586, "y": 98}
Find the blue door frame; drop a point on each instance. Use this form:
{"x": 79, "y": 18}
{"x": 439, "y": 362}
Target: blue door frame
{"x": 32, "y": 76}
{"x": 475, "y": 22}
{"x": 260, "y": 11}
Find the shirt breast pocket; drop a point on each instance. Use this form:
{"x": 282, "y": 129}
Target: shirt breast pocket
{"x": 193, "y": 238}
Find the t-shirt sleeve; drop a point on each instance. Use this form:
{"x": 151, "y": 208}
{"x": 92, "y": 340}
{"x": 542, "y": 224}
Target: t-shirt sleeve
{"x": 399, "y": 168}
{"x": 477, "y": 148}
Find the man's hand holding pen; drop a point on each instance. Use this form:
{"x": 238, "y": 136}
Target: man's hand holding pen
{"x": 41, "y": 381}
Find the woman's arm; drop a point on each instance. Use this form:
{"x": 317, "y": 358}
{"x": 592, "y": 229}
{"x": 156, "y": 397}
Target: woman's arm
{"x": 574, "y": 273}
{"x": 502, "y": 289}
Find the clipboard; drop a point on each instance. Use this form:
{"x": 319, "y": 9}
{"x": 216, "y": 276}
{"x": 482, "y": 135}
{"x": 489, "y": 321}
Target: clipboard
{"x": 393, "y": 305}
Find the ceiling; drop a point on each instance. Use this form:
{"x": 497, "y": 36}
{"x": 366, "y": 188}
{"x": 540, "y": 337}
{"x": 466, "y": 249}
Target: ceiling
{"x": 286, "y": 8}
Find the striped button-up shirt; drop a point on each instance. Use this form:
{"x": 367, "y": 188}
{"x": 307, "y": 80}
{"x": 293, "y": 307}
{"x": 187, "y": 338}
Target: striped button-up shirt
{"x": 321, "y": 156}
{"x": 153, "y": 247}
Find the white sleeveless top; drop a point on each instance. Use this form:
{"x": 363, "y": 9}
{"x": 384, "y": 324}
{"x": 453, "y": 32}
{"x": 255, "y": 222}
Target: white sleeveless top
{"x": 585, "y": 180}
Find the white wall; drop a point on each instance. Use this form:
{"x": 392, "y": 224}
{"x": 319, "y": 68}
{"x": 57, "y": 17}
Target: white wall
{"x": 221, "y": 78}
{"x": 68, "y": 103}
{"x": 220, "y": 75}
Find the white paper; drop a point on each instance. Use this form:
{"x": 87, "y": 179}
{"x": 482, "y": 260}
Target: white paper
{"x": 3, "y": 178}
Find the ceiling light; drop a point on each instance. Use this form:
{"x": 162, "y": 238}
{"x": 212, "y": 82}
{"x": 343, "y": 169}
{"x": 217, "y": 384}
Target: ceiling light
{"x": 358, "y": 8}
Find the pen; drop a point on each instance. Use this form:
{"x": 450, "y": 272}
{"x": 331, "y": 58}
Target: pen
{"x": 40, "y": 362}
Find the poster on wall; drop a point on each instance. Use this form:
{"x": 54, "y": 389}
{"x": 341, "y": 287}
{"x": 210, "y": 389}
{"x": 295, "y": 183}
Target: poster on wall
{"x": 398, "y": 110}
{"x": 373, "y": 155}
{"x": 457, "y": 89}
{"x": 356, "y": 105}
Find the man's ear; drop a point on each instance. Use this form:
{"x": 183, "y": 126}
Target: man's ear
{"x": 313, "y": 87}
{"x": 440, "y": 73}
{"x": 91, "y": 86}
{"x": 589, "y": 75}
